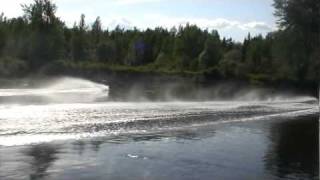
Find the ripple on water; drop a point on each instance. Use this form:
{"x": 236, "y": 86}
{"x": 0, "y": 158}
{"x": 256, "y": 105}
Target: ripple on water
{"x": 25, "y": 124}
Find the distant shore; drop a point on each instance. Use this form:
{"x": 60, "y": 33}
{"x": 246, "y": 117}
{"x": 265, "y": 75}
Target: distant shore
{"x": 161, "y": 86}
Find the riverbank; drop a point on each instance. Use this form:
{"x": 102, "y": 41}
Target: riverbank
{"x": 156, "y": 86}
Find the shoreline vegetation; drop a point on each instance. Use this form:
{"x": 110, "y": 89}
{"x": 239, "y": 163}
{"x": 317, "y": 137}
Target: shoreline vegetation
{"x": 39, "y": 42}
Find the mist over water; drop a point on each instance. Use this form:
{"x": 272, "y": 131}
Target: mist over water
{"x": 181, "y": 90}
{"x": 59, "y": 90}
{"x": 74, "y": 108}
{"x": 72, "y": 128}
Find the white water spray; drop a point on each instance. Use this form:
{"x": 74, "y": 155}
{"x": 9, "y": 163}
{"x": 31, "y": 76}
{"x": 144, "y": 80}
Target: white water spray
{"x": 65, "y": 89}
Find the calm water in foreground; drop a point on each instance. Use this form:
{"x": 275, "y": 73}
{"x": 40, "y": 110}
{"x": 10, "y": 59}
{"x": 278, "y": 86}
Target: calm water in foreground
{"x": 170, "y": 140}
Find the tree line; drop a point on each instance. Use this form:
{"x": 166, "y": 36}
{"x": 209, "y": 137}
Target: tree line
{"x": 40, "y": 41}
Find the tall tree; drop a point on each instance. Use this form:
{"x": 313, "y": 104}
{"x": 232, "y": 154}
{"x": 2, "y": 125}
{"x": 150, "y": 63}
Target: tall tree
{"x": 80, "y": 45}
{"x": 96, "y": 30}
{"x": 47, "y": 39}
{"x": 300, "y": 19}
{"x": 212, "y": 52}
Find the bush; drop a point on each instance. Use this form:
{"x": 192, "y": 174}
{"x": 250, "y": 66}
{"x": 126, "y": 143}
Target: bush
{"x": 11, "y": 66}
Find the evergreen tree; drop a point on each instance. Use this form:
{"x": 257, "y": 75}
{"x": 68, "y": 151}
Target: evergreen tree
{"x": 212, "y": 52}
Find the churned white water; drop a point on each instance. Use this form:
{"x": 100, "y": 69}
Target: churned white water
{"x": 25, "y": 124}
{"x": 70, "y": 129}
{"x": 59, "y": 90}
{"x": 72, "y": 111}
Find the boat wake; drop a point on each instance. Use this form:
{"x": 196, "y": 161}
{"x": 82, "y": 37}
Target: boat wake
{"x": 27, "y": 124}
{"x": 60, "y": 90}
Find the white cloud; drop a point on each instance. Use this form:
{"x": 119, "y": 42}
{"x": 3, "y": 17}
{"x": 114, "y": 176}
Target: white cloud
{"x": 12, "y": 8}
{"x": 130, "y": 2}
{"x": 70, "y": 11}
{"x": 257, "y": 26}
{"x": 226, "y": 27}
{"x": 121, "y": 22}
{"x": 154, "y": 20}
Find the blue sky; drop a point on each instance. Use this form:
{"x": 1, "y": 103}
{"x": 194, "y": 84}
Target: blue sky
{"x": 232, "y": 18}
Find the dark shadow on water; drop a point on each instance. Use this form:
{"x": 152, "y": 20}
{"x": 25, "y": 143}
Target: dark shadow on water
{"x": 79, "y": 146}
{"x": 294, "y": 149}
{"x": 95, "y": 145}
{"x": 43, "y": 156}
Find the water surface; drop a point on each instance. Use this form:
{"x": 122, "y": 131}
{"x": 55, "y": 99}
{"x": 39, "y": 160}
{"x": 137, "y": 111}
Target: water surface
{"x": 166, "y": 140}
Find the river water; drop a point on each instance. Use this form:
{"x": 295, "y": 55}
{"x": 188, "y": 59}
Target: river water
{"x": 272, "y": 139}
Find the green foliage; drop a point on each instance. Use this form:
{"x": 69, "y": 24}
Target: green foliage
{"x": 189, "y": 43}
{"x": 258, "y": 58}
{"x": 46, "y": 42}
{"x": 96, "y": 31}
{"x": 300, "y": 38}
{"x": 230, "y": 64}
{"x": 164, "y": 62}
{"x": 79, "y": 41}
{"x": 211, "y": 54}
{"x": 301, "y": 17}
{"x": 106, "y": 52}
{"x": 12, "y": 66}
{"x": 39, "y": 41}
{"x": 298, "y": 14}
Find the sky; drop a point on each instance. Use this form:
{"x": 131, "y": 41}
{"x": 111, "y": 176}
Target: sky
{"x": 232, "y": 18}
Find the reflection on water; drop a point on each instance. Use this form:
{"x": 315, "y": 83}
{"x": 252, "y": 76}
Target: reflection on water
{"x": 294, "y": 149}
{"x": 43, "y": 157}
{"x": 275, "y": 149}
{"x": 95, "y": 145}
{"x": 68, "y": 131}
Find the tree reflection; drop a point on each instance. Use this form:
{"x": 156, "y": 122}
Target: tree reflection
{"x": 79, "y": 146}
{"x": 43, "y": 157}
{"x": 95, "y": 145}
{"x": 294, "y": 148}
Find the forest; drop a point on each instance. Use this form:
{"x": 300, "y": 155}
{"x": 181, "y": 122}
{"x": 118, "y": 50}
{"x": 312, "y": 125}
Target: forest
{"x": 40, "y": 42}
